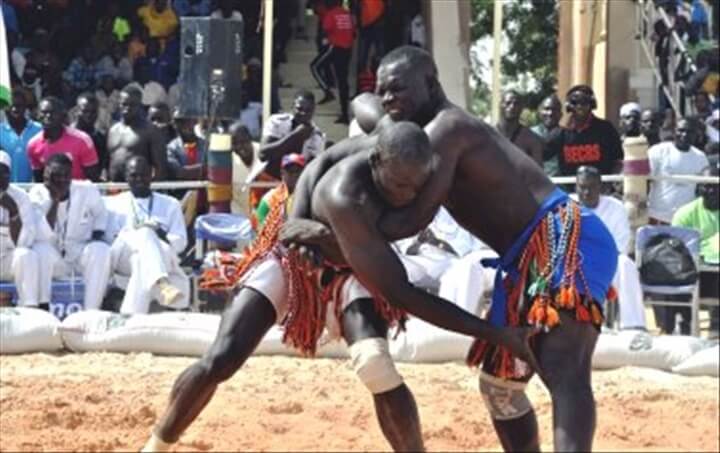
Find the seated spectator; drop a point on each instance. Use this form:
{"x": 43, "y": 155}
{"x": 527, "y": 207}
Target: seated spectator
{"x": 702, "y": 105}
{"x": 280, "y": 197}
{"x": 510, "y": 127}
{"x": 247, "y": 168}
{"x": 135, "y": 135}
{"x": 226, "y": 10}
{"x": 650, "y": 126}
{"x": 445, "y": 258}
{"x": 173, "y": 96}
{"x": 286, "y": 133}
{"x": 253, "y": 85}
{"x": 712, "y": 127}
{"x": 147, "y": 234}
{"x": 673, "y": 158}
{"x": 186, "y": 152}
{"x": 82, "y": 71}
{"x": 192, "y": 7}
{"x": 550, "y": 112}
{"x": 251, "y": 117}
{"x": 18, "y": 229}
{"x": 74, "y": 213}
{"x": 667, "y": 125}
{"x": 157, "y": 66}
{"x": 137, "y": 45}
{"x": 588, "y": 140}
{"x": 15, "y": 132}
{"x": 702, "y": 214}
{"x": 159, "y": 18}
{"x": 56, "y": 138}
{"x": 612, "y": 212}
{"x": 630, "y": 120}
{"x": 86, "y": 121}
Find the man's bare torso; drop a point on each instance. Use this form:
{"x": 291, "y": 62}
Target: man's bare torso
{"x": 125, "y": 141}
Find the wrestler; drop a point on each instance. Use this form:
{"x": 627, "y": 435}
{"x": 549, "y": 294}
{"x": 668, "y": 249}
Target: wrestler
{"x": 277, "y": 287}
{"x": 557, "y": 259}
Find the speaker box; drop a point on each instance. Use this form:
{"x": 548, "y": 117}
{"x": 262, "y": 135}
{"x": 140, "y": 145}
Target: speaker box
{"x": 210, "y": 54}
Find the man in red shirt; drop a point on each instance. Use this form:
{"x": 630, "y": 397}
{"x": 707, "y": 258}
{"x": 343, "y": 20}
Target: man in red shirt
{"x": 339, "y": 30}
{"x": 57, "y": 138}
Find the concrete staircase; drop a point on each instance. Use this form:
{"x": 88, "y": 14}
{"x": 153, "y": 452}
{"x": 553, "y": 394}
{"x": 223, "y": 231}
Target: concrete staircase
{"x": 297, "y": 73}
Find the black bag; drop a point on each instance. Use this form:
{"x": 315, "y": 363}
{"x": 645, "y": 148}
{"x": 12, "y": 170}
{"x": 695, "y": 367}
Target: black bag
{"x": 667, "y": 261}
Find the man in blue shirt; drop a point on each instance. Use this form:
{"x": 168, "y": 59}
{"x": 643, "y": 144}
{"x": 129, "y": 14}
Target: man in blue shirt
{"x": 15, "y": 133}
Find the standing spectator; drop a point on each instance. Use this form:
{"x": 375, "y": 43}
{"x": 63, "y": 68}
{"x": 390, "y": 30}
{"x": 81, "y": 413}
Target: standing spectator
{"x": 588, "y": 140}
{"x": 550, "y": 113}
{"x": 699, "y": 20}
{"x": 253, "y": 85}
{"x": 340, "y": 31}
{"x": 159, "y": 18}
{"x": 286, "y": 133}
{"x": 650, "y": 126}
{"x": 159, "y": 116}
{"x": 369, "y": 15}
{"x": 75, "y": 213}
{"x": 87, "y": 109}
{"x": 186, "y": 152}
{"x": 15, "y": 132}
{"x": 662, "y": 35}
{"x": 226, "y": 10}
{"x": 56, "y": 138}
{"x": 673, "y": 158}
{"x": 612, "y": 212}
{"x": 417, "y": 33}
{"x": 630, "y": 120}
{"x": 510, "y": 126}
{"x": 18, "y": 232}
{"x": 247, "y": 168}
{"x": 81, "y": 73}
{"x": 703, "y": 214}
{"x": 134, "y": 134}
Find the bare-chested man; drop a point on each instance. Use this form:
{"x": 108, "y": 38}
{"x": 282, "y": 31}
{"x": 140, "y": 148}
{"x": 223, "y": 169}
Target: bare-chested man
{"x": 510, "y": 126}
{"x": 135, "y": 135}
{"x": 350, "y": 198}
{"x": 557, "y": 259}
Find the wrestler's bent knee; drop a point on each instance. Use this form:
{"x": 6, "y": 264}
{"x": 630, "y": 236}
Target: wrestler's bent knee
{"x": 505, "y": 400}
{"x": 374, "y": 366}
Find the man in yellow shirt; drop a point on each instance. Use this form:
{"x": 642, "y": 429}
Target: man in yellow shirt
{"x": 159, "y": 18}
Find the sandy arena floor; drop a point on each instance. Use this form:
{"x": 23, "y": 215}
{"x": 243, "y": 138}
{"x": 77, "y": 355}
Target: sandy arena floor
{"x": 108, "y": 402}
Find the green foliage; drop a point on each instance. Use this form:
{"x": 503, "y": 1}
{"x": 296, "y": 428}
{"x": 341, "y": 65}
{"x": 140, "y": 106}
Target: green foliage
{"x": 530, "y": 28}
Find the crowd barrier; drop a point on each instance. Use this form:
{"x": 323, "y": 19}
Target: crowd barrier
{"x": 27, "y": 330}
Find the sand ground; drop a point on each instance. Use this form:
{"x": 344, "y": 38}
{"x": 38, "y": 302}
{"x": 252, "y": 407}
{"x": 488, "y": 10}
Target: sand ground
{"x": 109, "y": 402}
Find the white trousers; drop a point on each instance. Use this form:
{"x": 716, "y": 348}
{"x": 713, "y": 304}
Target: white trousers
{"x": 630, "y": 295}
{"x": 143, "y": 257}
{"x": 93, "y": 263}
{"x": 22, "y": 266}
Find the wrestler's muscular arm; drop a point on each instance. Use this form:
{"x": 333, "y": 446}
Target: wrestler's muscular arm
{"x": 376, "y": 265}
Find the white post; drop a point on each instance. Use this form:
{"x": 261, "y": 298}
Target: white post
{"x": 267, "y": 56}
{"x": 497, "y": 65}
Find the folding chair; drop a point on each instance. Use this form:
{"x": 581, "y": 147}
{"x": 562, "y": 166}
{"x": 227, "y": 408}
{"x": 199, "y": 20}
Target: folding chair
{"x": 691, "y": 239}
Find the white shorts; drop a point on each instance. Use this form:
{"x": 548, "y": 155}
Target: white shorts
{"x": 267, "y": 278}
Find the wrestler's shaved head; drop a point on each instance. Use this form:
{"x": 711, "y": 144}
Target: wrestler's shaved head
{"x": 401, "y": 162}
{"x": 419, "y": 59}
{"x": 405, "y": 141}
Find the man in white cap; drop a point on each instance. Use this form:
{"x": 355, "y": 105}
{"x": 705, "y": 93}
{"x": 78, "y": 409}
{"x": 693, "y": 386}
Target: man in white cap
{"x": 18, "y": 228}
{"x": 147, "y": 232}
{"x": 74, "y": 213}
{"x": 630, "y": 119}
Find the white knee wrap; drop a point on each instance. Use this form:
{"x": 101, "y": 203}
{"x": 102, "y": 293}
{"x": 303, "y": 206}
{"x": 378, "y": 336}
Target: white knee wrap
{"x": 372, "y": 362}
{"x": 505, "y": 400}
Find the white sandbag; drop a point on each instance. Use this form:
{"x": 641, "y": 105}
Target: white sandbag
{"x": 638, "y": 348}
{"x": 425, "y": 343}
{"x": 703, "y": 363}
{"x": 159, "y": 333}
{"x": 272, "y": 344}
{"x": 25, "y": 329}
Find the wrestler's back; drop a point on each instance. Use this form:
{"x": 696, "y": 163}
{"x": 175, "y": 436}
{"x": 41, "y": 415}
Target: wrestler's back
{"x": 497, "y": 187}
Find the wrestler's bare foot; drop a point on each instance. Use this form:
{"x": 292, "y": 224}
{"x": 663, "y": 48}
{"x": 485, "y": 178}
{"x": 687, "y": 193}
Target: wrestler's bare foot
{"x": 155, "y": 444}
